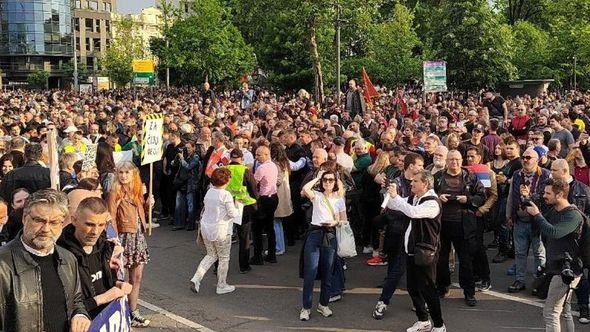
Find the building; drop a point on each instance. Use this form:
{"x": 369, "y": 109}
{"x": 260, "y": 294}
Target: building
{"x": 147, "y": 25}
{"x": 93, "y": 26}
{"x": 183, "y": 5}
{"x": 35, "y": 35}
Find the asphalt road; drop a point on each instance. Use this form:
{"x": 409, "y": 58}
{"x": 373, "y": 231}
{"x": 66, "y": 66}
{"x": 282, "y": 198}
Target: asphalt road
{"x": 269, "y": 297}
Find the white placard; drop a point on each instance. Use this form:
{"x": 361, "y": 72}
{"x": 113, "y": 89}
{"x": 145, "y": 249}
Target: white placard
{"x": 153, "y": 142}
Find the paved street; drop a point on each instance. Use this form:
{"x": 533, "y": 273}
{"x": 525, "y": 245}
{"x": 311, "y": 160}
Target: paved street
{"x": 268, "y": 298}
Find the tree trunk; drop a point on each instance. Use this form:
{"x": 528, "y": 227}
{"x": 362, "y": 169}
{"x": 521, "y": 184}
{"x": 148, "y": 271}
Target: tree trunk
{"x": 317, "y": 65}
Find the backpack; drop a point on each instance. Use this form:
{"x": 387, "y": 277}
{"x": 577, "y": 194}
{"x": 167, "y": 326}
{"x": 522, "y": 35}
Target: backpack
{"x": 583, "y": 239}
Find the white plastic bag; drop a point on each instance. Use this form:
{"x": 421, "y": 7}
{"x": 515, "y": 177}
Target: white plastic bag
{"x": 345, "y": 238}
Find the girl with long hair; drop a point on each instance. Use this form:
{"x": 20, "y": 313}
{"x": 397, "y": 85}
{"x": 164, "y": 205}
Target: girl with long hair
{"x": 285, "y": 207}
{"x": 128, "y": 209}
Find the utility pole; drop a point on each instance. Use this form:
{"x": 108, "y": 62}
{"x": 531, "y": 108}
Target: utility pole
{"x": 575, "y": 74}
{"x": 167, "y": 66}
{"x": 338, "y": 27}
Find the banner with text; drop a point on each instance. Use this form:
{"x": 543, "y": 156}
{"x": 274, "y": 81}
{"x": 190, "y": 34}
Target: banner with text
{"x": 114, "y": 318}
{"x": 435, "y": 76}
{"x": 153, "y": 142}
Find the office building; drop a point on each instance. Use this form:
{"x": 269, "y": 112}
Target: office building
{"x": 93, "y": 25}
{"x": 147, "y": 25}
{"x": 35, "y": 35}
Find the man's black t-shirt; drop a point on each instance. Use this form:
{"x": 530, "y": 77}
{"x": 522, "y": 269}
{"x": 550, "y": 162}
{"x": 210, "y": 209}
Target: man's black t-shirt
{"x": 495, "y": 106}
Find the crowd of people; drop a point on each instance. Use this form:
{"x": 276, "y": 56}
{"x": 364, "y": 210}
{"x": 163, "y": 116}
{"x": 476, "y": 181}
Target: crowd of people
{"x": 419, "y": 179}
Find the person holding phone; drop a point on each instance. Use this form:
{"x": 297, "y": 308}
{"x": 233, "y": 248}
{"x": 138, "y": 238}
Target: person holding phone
{"x": 319, "y": 248}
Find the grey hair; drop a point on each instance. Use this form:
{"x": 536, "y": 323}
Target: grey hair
{"x": 49, "y": 197}
{"x": 426, "y": 177}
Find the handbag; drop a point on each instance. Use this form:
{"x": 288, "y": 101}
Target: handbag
{"x": 344, "y": 236}
{"x": 425, "y": 254}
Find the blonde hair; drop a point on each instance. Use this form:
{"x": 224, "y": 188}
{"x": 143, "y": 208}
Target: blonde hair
{"x": 67, "y": 160}
{"x": 381, "y": 162}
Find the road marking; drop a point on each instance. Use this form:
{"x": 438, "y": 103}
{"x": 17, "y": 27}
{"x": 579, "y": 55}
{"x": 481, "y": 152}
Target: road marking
{"x": 174, "y": 317}
{"x": 520, "y": 328}
{"x": 508, "y": 297}
{"x": 329, "y": 329}
{"x": 260, "y": 319}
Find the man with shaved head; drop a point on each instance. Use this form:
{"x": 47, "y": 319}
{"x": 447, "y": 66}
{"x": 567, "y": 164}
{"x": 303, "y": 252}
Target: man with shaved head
{"x": 267, "y": 201}
{"x": 527, "y": 185}
{"x": 579, "y": 195}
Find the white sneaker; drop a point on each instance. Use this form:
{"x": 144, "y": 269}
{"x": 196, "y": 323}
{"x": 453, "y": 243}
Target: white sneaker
{"x": 325, "y": 311}
{"x": 335, "y": 298}
{"x": 195, "y": 284}
{"x": 367, "y": 250}
{"x": 155, "y": 225}
{"x": 225, "y": 289}
{"x": 304, "y": 315}
{"x": 420, "y": 326}
{"x": 379, "y": 311}
{"x": 439, "y": 329}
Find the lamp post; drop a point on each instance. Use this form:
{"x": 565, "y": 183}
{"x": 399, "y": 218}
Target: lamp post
{"x": 575, "y": 74}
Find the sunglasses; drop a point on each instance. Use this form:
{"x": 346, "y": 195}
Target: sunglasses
{"x": 329, "y": 180}
{"x": 527, "y": 158}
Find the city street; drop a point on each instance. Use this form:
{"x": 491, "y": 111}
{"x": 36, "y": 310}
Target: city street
{"x": 268, "y": 298}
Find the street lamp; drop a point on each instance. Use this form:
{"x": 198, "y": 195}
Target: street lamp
{"x": 75, "y": 45}
{"x": 575, "y": 74}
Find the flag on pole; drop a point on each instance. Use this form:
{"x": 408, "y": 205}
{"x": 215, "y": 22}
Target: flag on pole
{"x": 369, "y": 90}
{"x": 53, "y": 159}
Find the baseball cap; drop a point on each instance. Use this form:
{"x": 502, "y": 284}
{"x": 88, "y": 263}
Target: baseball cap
{"x": 541, "y": 150}
{"x": 479, "y": 128}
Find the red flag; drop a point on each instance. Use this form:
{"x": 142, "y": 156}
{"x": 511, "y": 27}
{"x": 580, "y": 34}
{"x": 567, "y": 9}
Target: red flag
{"x": 369, "y": 90}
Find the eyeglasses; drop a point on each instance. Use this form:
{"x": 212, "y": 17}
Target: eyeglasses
{"x": 527, "y": 158}
{"x": 328, "y": 180}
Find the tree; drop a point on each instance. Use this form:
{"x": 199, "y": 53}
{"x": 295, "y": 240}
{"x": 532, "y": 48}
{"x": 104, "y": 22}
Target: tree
{"x": 83, "y": 72}
{"x": 476, "y": 46}
{"x": 532, "y": 52}
{"x": 38, "y": 79}
{"x": 205, "y": 45}
{"x": 392, "y": 46}
{"x": 124, "y": 48}
{"x": 522, "y": 10}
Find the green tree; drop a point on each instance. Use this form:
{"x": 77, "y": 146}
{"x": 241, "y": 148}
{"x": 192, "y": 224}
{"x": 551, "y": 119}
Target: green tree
{"x": 476, "y": 46}
{"x": 392, "y": 46}
{"x": 38, "y": 79}
{"x": 83, "y": 72}
{"x": 205, "y": 45}
{"x": 124, "y": 48}
{"x": 532, "y": 52}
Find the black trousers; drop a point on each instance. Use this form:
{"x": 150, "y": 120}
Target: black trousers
{"x": 465, "y": 249}
{"x": 422, "y": 290}
{"x": 244, "y": 236}
{"x": 263, "y": 222}
{"x": 481, "y": 266}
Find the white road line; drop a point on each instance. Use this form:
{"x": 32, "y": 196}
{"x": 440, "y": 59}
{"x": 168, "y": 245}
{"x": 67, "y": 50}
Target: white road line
{"x": 174, "y": 317}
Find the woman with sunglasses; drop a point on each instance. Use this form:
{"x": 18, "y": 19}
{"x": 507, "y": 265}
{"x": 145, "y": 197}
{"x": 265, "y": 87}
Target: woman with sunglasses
{"x": 319, "y": 249}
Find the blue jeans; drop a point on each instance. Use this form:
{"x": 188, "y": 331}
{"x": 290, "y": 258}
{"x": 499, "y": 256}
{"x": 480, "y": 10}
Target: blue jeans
{"x": 317, "y": 257}
{"x": 279, "y": 234}
{"x": 525, "y": 237}
{"x": 185, "y": 213}
{"x": 396, "y": 268}
{"x": 338, "y": 278}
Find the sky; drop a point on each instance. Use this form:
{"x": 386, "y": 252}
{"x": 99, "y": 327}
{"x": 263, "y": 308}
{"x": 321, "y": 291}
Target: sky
{"x": 133, "y": 6}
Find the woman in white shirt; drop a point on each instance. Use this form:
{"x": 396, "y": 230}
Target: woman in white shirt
{"x": 216, "y": 230}
{"x": 319, "y": 249}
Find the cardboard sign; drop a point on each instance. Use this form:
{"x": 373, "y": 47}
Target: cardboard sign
{"x": 121, "y": 156}
{"x": 89, "y": 157}
{"x": 153, "y": 142}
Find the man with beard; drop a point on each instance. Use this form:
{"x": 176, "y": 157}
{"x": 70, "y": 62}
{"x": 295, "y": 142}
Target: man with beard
{"x": 34, "y": 268}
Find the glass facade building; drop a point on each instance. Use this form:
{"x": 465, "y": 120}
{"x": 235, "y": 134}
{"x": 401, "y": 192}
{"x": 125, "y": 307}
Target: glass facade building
{"x": 34, "y": 35}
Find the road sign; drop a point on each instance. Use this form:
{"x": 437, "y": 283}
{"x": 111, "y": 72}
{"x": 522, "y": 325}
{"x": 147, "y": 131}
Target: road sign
{"x": 143, "y": 66}
{"x": 435, "y": 76}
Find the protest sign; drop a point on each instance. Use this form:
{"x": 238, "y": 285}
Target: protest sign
{"x": 435, "y": 76}
{"x": 89, "y": 157}
{"x": 121, "y": 156}
{"x": 153, "y": 148}
{"x": 114, "y": 318}
{"x": 153, "y": 143}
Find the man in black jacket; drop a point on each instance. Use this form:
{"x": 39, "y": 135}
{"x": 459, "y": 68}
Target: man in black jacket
{"x": 39, "y": 283}
{"x": 461, "y": 194}
{"x": 33, "y": 176}
{"x": 86, "y": 239}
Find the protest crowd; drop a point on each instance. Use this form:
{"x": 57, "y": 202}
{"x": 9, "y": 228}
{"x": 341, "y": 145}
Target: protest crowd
{"x": 415, "y": 182}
